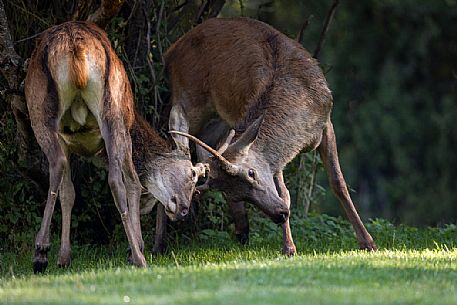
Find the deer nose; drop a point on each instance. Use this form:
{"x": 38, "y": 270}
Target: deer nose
{"x": 184, "y": 211}
{"x": 284, "y": 215}
{"x": 281, "y": 217}
{"x": 172, "y": 205}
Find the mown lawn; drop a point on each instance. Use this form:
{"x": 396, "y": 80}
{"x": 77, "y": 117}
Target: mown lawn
{"x": 413, "y": 266}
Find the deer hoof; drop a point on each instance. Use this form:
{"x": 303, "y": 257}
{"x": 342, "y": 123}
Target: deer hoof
{"x": 136, "y": 260}
{"x": 129, "y": 253}
{"x": 64, "y": 263}
{"x": 289, "y": 250}
{"x": 243, "y": 238}
{"x": 129, "y": 256}
{"x": 159, "y": 249}
{"x": 139, "y": 261}
{"x": 40, "y": 259}
{"x": 368, "y": 245}
{"x": 64, "y": 259}
{"x": 40, "y": 264}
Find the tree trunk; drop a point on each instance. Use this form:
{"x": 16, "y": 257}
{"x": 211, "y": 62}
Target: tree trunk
{"x": 136, "y": 44}
{"x": 31, "y": 161}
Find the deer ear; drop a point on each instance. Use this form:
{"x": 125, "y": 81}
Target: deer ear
{"x": 178, "y": 121}
{"x": 243, "y": 144}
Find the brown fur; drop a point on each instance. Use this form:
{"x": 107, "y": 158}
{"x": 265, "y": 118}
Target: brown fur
{"x": 143, "y": 134}
{"x": 80, "y": 101}
{"x": 79, "y": 67}
{"x": 72, "y": 111}
{"x": 148, "y": 144}
{"x": 240, "y": 70}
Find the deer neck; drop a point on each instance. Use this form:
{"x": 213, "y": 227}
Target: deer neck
{"x": 147, "y": 145}
{"x": 283, "y": 133}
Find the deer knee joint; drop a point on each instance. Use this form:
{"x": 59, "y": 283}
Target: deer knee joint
{"x": 124, "y": 215}
{"x": 339, "y": 186}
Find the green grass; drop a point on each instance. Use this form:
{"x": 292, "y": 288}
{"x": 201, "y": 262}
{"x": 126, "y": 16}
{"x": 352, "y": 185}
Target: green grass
{"x": 413, "y": 266}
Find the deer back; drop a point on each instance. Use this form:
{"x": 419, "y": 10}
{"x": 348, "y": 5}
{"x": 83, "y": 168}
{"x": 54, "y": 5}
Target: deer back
{"x": 239, "y": 69}
{"x": 261, "y": 83}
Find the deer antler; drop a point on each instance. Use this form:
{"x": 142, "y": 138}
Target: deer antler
{"x": 227, "y": 141}
{"x": 226, "y": 165}
{"x": 202, "y": 144}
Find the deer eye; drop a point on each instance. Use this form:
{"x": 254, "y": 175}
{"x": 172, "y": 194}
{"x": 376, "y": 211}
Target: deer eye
{"x": 194, "y": 174}
{"x": 251, "y": 173}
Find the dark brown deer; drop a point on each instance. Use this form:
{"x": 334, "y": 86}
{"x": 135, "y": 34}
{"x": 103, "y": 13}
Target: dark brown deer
{"x": 80, "y": 101}
{"x": 273, "y": 93}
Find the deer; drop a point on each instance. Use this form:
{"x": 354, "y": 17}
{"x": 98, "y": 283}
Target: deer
{"x": 270, "y": 90}
{"x": 80, "y": 102}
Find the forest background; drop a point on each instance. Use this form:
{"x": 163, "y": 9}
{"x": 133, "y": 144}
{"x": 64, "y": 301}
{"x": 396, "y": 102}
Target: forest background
{"x": 391, "y": 65}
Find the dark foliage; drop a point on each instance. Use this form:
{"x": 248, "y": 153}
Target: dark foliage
{"x": 391, "y": 66}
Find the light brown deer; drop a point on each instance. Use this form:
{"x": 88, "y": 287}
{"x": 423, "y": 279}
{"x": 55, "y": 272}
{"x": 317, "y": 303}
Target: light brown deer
{"x": 273, "y": 93}
{"x": 80, "y": 101}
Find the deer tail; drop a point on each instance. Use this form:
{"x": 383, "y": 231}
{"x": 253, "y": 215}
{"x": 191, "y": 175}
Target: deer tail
{"x": 79, "y": 67}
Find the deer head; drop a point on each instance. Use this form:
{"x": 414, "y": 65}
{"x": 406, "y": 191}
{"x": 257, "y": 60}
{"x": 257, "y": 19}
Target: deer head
{"x": 243, "y": 174}
{"x": 171, "y": 180}
{"x": 165, "y": 170}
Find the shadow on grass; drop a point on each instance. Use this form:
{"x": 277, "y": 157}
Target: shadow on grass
{"x": 317, "y": 235}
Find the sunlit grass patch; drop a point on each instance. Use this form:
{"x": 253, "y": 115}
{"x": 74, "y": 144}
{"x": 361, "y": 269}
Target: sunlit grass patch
{"x": 248, "y": 277}
{"x": 413, "y": 266}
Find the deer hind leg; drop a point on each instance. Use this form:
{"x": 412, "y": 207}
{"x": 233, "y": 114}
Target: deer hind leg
{"x": 329, "y": 155}
{"x": 117, "y": 143}
{"x": 161, "y": 230}
{"x": 67, "y": 200}
{"x": 58, "y": 163}
{"x": 288, "y": 242}
{"x": 240, "y": 218}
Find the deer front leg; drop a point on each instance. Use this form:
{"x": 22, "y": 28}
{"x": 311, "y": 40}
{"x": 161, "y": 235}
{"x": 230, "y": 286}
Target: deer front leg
{"x": 57, "y": 165}
{"x": 329, "y": 155}
{"x": 161, "y": 230}
{"x": 67, "y": 200}
{"x": 240, "y": 218}
{"x": 288, "y": 242}
{"x": 117, "y": 142}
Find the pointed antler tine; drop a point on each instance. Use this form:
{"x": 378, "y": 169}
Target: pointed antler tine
{"x": 227, "y": 141}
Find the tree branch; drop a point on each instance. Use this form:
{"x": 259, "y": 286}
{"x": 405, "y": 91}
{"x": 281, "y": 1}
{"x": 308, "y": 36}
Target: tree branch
{"x": 30, "y": 158}
{"x": 10, "y": 62}
{"x": 328, "y": 21}
{"x": 82, "y": 9}
{"x": 201, "y": 11}
{"x": 107, "y": 10}
{"x": 210, "y": 8}
{"x": 303, "y": 28}
{"x": 216, "y": 7}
